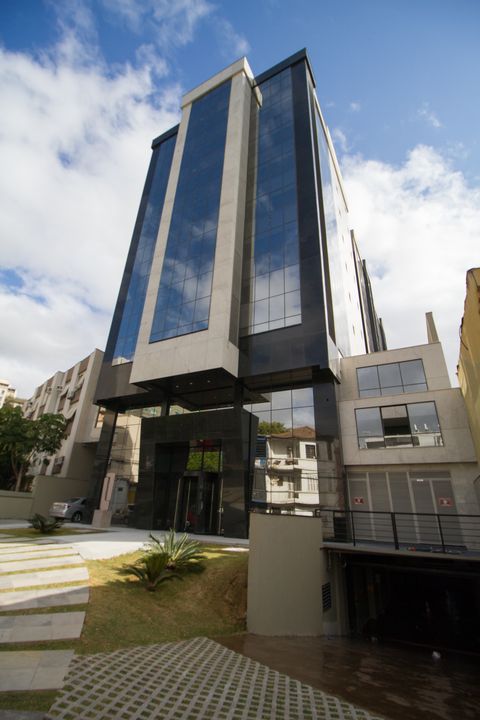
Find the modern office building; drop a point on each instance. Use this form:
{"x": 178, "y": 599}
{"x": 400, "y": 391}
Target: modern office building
{"x": 242, "y": 291}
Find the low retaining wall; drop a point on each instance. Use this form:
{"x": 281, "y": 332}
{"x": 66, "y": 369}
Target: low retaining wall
{"x": 15, "y": 505}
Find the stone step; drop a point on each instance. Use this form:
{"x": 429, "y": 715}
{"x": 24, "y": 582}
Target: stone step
{"x": 55, "y": 551}
{"x": 35, "y": 628}
{"x": 33, "y": 669}
{"x": 43, "y": 597}
{"x": 32, "y": 548}
{"x": 45, "y": 577}
{"x": 38, "y": 563}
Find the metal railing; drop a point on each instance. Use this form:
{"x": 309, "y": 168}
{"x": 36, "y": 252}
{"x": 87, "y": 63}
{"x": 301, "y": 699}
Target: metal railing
{"x": 428, "y": 532}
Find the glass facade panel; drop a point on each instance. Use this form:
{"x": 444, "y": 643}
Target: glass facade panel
{"x": 271, "y": 269}
{"x": 183, "y": 300}
{"x": 137, "y": 290}
{"x": 286, "y": 462}
{"x": 369, "y": 428}
{"x": 335, "y": 247}
{"x": 389, "y": 376}
{"x": 413, "y": 375}
{"x": 391, "y": 379}
{"x": 412, "y": 425}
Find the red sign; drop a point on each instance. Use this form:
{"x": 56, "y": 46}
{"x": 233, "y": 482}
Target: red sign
{"x": 359, "y": 501}
{"x": 445, "y": 502}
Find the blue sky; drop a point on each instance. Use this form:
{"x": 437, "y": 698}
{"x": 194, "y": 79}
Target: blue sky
{"x": 85, "y": 85}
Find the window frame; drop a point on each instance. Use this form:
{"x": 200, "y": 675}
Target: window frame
{"x": 414, "y": 434}
{"x": 383, "y": 391}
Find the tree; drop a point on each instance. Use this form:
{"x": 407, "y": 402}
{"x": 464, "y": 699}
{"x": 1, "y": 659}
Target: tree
{"x": 273, "y": 428}
{"x": 22, "y": 439}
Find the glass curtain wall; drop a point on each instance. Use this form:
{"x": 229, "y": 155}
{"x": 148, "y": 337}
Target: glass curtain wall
{"x": 338, "y": 239}
{"x": 271, "y": 290}
{"x": 137, "y": 290}
{"x": 183, "y": 300}
{"x": 286, "y": 471}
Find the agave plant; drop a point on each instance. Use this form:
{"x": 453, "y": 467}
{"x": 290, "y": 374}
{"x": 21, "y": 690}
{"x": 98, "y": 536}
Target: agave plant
{"x": 179, "y": 553}
{"x": 45, "y": 525}
{"x": 151, "y": 569}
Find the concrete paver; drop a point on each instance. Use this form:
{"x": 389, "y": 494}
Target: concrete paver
{"x": 39, "y": 563}
{"x": 37, "y": 552}
{"x": 33, "y": 669}
{"x": 43, "y": 597}
{"x": 48, "y": 626}
{"x": 45, "y": 577}
{"x": 194, "y": 679}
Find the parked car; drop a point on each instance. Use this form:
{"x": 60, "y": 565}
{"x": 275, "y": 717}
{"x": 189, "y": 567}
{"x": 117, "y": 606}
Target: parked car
{"x": 73, "y": 509}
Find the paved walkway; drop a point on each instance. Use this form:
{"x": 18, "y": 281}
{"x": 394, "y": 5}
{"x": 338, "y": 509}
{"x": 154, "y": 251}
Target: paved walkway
{"x": 191, "y": 680}
{"x": 27, "y": 564}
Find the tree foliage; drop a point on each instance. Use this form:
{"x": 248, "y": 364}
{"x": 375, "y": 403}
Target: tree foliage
{"x": 22, "y": 439}
{"x": 271, "y": 428}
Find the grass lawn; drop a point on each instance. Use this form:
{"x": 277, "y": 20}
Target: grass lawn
{"x": 121, "y": 613}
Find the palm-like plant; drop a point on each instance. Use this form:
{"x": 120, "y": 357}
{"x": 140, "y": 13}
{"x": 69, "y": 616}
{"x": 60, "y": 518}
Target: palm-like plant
{"x": 179, "y": 553}
{"x": 151, "y": 569}
{"x": 45, "y": 525}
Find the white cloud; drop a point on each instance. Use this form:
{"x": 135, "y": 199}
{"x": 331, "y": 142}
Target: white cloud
{"x": 233, "y": 44}
{"x": 173, "y": 22}
{"x": 417, "y": 226}
{"x": 339, "y": 138}
{"x": 75, "y": 140}
{"x": 355, "y": 107}
{"x": 429, "y": 116}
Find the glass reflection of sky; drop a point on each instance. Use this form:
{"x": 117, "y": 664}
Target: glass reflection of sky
{"x": 183, "y": 300}
{"x": 271, "y": 294}
{"x": 137, "y": 290}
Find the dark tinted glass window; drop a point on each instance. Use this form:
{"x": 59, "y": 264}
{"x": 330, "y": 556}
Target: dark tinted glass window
{"x": 369, "y": 427}
{"x": 391, "y": 379}
{"x": 271, "y": 289}
{"x": 413, "y": 376}
{"x": 137, "y": 289}
{"x": 183, "y": 300}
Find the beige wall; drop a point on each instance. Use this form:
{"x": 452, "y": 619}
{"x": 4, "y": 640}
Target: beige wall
{"x": 431, "y": 355}
{"x": 48, "y": 489}
{"x": 286, "y": 571}
{"x": 457, "y": 447}
{"x": 469, "y": 361}
{"x": 15, "y": 505}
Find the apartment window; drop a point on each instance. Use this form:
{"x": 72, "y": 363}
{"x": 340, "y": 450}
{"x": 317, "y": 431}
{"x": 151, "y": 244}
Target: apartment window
{"x": 310, "y": 451}
{"x": 57, "y": 465}
{"x": 412, "y": 425}
{"x": 391, "y": 379}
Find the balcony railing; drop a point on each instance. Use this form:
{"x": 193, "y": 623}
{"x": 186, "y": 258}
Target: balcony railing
{"x": 426, "y": 532}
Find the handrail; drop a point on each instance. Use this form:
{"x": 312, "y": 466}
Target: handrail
{"x": 445, "y": 532}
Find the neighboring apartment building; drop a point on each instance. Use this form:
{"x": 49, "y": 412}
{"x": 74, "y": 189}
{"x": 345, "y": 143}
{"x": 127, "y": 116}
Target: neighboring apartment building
{"x": 242, "y": 291}
{"x": 8, "y": 394}
{"x": 469, "y": 360}
{"x": 70, "y": 393}
{"x": 406, "y": 440}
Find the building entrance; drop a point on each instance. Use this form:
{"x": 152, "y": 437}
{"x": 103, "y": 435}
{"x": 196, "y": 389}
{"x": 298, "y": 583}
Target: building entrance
{"x": 199, "y": 503}
{"x": 423, "y": 602}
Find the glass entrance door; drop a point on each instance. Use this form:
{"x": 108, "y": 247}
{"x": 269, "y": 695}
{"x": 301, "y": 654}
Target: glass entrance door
{"x": 198, "y": 508}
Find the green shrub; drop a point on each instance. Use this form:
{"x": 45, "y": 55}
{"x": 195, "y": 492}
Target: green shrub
{"x": 181, "y": 553}
{"x": 151, "y": 569}
{"x": 45, "y": 525}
